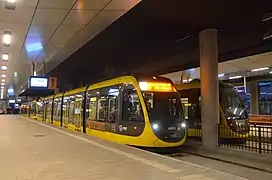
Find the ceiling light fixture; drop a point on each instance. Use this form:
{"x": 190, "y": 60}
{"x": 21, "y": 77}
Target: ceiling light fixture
{"x": 270, "y": 72}
{"x": 2, "y": 87}
{"x": 7, "y": 38}
{"x": 221, "y": 75}
{"x": 3, "y": 80}
{"x": 2, "y": 84}
{"x": 235, "y": 77}
{"x": 5, "y": 56}
{"x": 3, "y": 75}
{"x": 10, "y": 4}
{"x": 259, "y": 69}
{"x": 4, "y": 67}
{"x": 15, "y": 74}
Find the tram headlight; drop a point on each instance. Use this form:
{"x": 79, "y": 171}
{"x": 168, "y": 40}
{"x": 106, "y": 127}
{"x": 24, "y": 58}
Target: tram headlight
{"x": 181, "y": 126}
{"x": 155, "y": 126}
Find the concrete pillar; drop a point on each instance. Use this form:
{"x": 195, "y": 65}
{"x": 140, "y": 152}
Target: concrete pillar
{"x": 254, "y": 97}
{"x": 209, "y": 87}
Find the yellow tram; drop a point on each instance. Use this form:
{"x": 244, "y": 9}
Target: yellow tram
{"x": 234, "y": 123}
{"x": 139, "y": 111}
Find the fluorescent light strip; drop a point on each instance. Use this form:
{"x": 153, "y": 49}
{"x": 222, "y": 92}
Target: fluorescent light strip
{"x": 267, "y": 19}
{"x": 235, "y": 77}
{"x": 259, "y": 69}
{"x": 11, "y": 1}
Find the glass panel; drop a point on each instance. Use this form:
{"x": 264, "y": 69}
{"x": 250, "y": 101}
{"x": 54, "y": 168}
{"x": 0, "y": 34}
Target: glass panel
{"x": 57, "y": 109}
{"x": 65, "y": 110}
{"x": 49, "y": 110}
{"x": 132, "y": 109}
{"x": 164, "y": 107}
{"x": 113, "y": 108}
{"x": 102, "y": 108}
{"x": 40, "y": 109}
{"x": 231, "y": 103}
{"x": 71, "y": 112}
{"x": 92, "y": 108}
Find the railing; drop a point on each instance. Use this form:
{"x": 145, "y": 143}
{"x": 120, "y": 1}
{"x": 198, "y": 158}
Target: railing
{"x": 259, "y": 138}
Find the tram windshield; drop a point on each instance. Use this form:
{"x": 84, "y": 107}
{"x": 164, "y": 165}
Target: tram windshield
{"x": 232, "y": 104}
{"x": 163, "y": 107}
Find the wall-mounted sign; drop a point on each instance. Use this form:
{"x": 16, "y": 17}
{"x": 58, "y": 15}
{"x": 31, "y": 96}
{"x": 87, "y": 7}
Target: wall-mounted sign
{"x": 38, "y": 82}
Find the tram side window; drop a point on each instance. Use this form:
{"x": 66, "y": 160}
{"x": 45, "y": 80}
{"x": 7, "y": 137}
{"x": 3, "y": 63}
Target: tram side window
{"x": 132, "y": 109}
{"x": 71, "y": 111}
{"x": 102, "y": 108}
{"x": 49, "y": 109}
{"x": 91, "y": 108}
{"x": 55, "y": 111}
{"x": 113, "y": 105}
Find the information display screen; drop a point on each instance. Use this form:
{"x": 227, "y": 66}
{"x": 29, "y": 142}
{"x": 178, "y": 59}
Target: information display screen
{"x": 38, "y": 82}
{"x": 11, "y": 101}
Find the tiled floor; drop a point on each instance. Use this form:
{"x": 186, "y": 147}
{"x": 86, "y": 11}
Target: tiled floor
{"x": 31, "y": 150}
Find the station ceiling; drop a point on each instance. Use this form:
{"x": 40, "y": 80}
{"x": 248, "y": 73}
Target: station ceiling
{"x": 73, "y": 39}
{"x": 259, "y": 66}
{"x": 160, "y": 36}
{"x": 46, "y": 32}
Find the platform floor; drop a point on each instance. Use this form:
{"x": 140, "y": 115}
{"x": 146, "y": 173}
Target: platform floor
{"x": 31, "y": 150}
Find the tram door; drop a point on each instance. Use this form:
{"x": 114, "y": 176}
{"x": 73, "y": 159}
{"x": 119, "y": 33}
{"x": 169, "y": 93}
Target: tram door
{"x": 65, "y": 109}
{"x": 45, "y": 111}
{"x": 78, "y": 114}
{"x": 48, "y": 113}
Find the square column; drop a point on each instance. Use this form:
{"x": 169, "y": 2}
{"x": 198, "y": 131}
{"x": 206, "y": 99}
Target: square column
{"x": 209, "y": 87}
{"x": 254, "y": 97}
